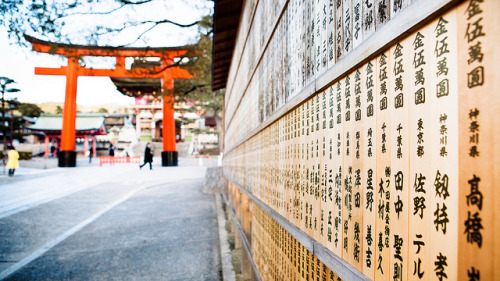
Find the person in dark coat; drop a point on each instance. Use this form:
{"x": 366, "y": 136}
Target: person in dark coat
{"x": 111, "y": 149}
{"x": 52, "y": 150}
{"x": 90, "y": 154}
{"x": 148, "y": 157}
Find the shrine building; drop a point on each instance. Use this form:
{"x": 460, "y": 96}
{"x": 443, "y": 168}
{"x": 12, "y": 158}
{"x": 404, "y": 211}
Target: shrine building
{"x": 86, "y": 127}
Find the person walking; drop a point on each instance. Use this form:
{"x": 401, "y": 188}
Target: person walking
{"x": 52, "y": 150}
{"x": 90, "y": 154}
{"x": 111, "y": 149}
{"x": 148, "y": 157}
{"x": 13, "y": 160}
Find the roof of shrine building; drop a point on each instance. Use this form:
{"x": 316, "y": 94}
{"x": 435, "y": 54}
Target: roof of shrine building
{"x": 226, "y": 21}
{"x": 85, "y": 124}
{"x": 137, "y": 87}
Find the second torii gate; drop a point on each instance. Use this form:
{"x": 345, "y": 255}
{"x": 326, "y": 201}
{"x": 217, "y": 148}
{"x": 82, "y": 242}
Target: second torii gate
{"x": 167, "y": 72}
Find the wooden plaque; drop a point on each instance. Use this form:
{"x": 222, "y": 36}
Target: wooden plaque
{"x": 339, "y": 30}
{"x": 478, "y": 82}
{"x": 338, "y": 170}
{"x": 348, "y": 26}
{"x": 399, "y": 145}
{"x": 369, "y": 168}
{"x": 357, "y": 21}
{"x": 382, "y": 13}
{"x": 331, "y": 35}
{"x": 347, "y": 192}
{"x": 420, "y": 175}
{"x": 369, "y": 14}
{"x": 358, "y": 173}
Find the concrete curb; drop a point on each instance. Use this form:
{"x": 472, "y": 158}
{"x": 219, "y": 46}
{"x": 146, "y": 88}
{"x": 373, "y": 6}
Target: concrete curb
{"x": 225, "y": 254}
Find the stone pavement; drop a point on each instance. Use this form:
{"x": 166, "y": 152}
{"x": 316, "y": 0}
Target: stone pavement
{"x": 108, "y": 223}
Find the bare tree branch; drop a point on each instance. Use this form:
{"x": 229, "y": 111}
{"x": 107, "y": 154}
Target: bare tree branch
{"x": 174, "y": 23}
{"x": 127, "y": 2}
{"x": 39, "y": 17}
{"x": 90, "y": 13}
{"x": 124, "y": 3}
{"x": 194, "y": 88}
{"x": 155, "y": 24}
{"x": 140, "y": 35}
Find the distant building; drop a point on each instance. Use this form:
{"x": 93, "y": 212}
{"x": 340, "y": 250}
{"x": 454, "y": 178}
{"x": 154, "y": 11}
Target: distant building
{"x": 148, "y": 106}
{"x": 88, "y": 126}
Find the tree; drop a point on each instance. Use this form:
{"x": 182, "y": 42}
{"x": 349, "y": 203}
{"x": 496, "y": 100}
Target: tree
{"x": 102, "y": 110}
{"x": 59, "y": 109}
{"x": 200, "y": 88}
{"x": 105, "y": 21}
{"x": 5, "y": 87}
{"x": 54, "y": 21}
{"x": 29, "y": 109}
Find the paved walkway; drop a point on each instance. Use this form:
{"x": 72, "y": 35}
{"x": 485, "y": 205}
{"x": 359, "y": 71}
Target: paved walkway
{"x": 108, "y": 223}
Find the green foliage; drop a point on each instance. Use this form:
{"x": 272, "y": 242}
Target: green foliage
{"x": 6, "y": 87}
{"x": 29, "y": 109}
{"x": 59, "y": 110}
{"x": 102, "y": 110}
{"x": 200, "y": 65}
{"x": 203, "y": 131}
{"x": 5, "y": 126}
{"x": 178, "y": 123}
{"x": 183, "y": 121}
{"x": 23, "y": 155}
{"x": 209, "y": 151}
{"x": 30, "y": 17}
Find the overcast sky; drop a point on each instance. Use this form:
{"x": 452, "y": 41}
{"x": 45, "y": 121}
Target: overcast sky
{"x": 19, "y": 64}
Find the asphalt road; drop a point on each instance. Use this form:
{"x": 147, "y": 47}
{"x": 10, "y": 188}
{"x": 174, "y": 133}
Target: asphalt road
{"x": 108, "y": 223}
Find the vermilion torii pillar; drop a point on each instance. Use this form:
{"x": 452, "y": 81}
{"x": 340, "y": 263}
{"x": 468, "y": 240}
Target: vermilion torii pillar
{"x": 169, "y": 153}
{"x": 166, "y": 72}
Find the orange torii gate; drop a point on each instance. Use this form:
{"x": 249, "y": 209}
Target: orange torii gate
{"x": 167, "y": 72}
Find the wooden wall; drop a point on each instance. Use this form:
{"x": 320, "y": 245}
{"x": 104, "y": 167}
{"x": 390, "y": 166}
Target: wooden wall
{"x": 367, "y": 127}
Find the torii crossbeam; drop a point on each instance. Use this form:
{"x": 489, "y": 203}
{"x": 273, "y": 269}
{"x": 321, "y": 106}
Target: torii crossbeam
{"x": 167, "y": 72}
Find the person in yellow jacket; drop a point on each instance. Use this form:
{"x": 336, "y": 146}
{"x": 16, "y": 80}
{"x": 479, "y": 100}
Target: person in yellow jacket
{"x": 13, "y": 161}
